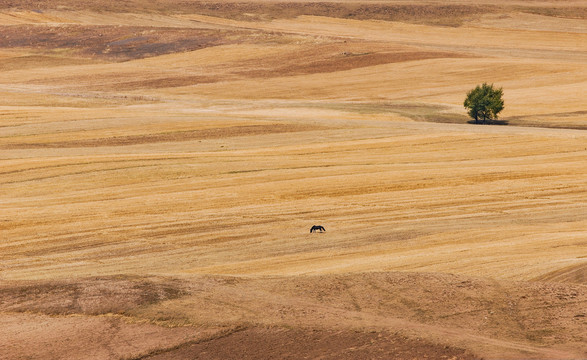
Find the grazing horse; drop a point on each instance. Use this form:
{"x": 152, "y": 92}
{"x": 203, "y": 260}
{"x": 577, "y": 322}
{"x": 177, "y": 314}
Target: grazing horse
{"x": 317, "y": 228}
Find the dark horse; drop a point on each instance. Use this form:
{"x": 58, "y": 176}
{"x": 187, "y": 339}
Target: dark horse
{"x": 316, "y": 228}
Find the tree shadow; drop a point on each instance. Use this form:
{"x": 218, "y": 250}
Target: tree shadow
{"x": 489, "y": 122}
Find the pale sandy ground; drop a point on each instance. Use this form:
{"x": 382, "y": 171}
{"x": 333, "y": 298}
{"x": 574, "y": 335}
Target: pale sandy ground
{"x": 156, "y": 200}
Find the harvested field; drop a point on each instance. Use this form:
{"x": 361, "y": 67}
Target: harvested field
{"x": 162, "y": 162}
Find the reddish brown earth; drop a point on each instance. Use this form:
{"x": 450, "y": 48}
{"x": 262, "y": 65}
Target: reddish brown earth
{"x": 335, "y": 317}
{"x": 432, "y": 13}
{"x": 118, "y": 43}
{"x": 281, "y": 343}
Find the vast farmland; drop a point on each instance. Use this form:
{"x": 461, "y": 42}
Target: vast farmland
{"x": 162, "y": 163}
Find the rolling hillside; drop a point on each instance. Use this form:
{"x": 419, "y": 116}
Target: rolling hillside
{"x": 162, "y": 163}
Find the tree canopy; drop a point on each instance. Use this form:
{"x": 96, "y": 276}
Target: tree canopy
{"x": 484, "y": 102}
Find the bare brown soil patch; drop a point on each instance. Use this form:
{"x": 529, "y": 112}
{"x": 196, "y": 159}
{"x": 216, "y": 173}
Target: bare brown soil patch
{"x": 264, "y": 10}
{"x": 255, "y": 11}
{"x": 374, "y": 315}
{"x": 118, "y": 43}
{"x": 441, "y": 14}
{"x": 89, "y": 297}
{"x": 433, "y": 13}
{"x": 282, "y": 343}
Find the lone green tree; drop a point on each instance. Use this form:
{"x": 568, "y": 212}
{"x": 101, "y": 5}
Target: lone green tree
{"x": 484, "y": 102}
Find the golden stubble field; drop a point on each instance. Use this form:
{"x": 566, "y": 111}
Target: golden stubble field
{"x": 161, "y": 166}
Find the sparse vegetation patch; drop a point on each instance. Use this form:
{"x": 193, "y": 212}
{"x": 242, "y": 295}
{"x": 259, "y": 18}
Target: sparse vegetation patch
{"x": 110, "y": 42}
{"x": 89, "y": 297}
